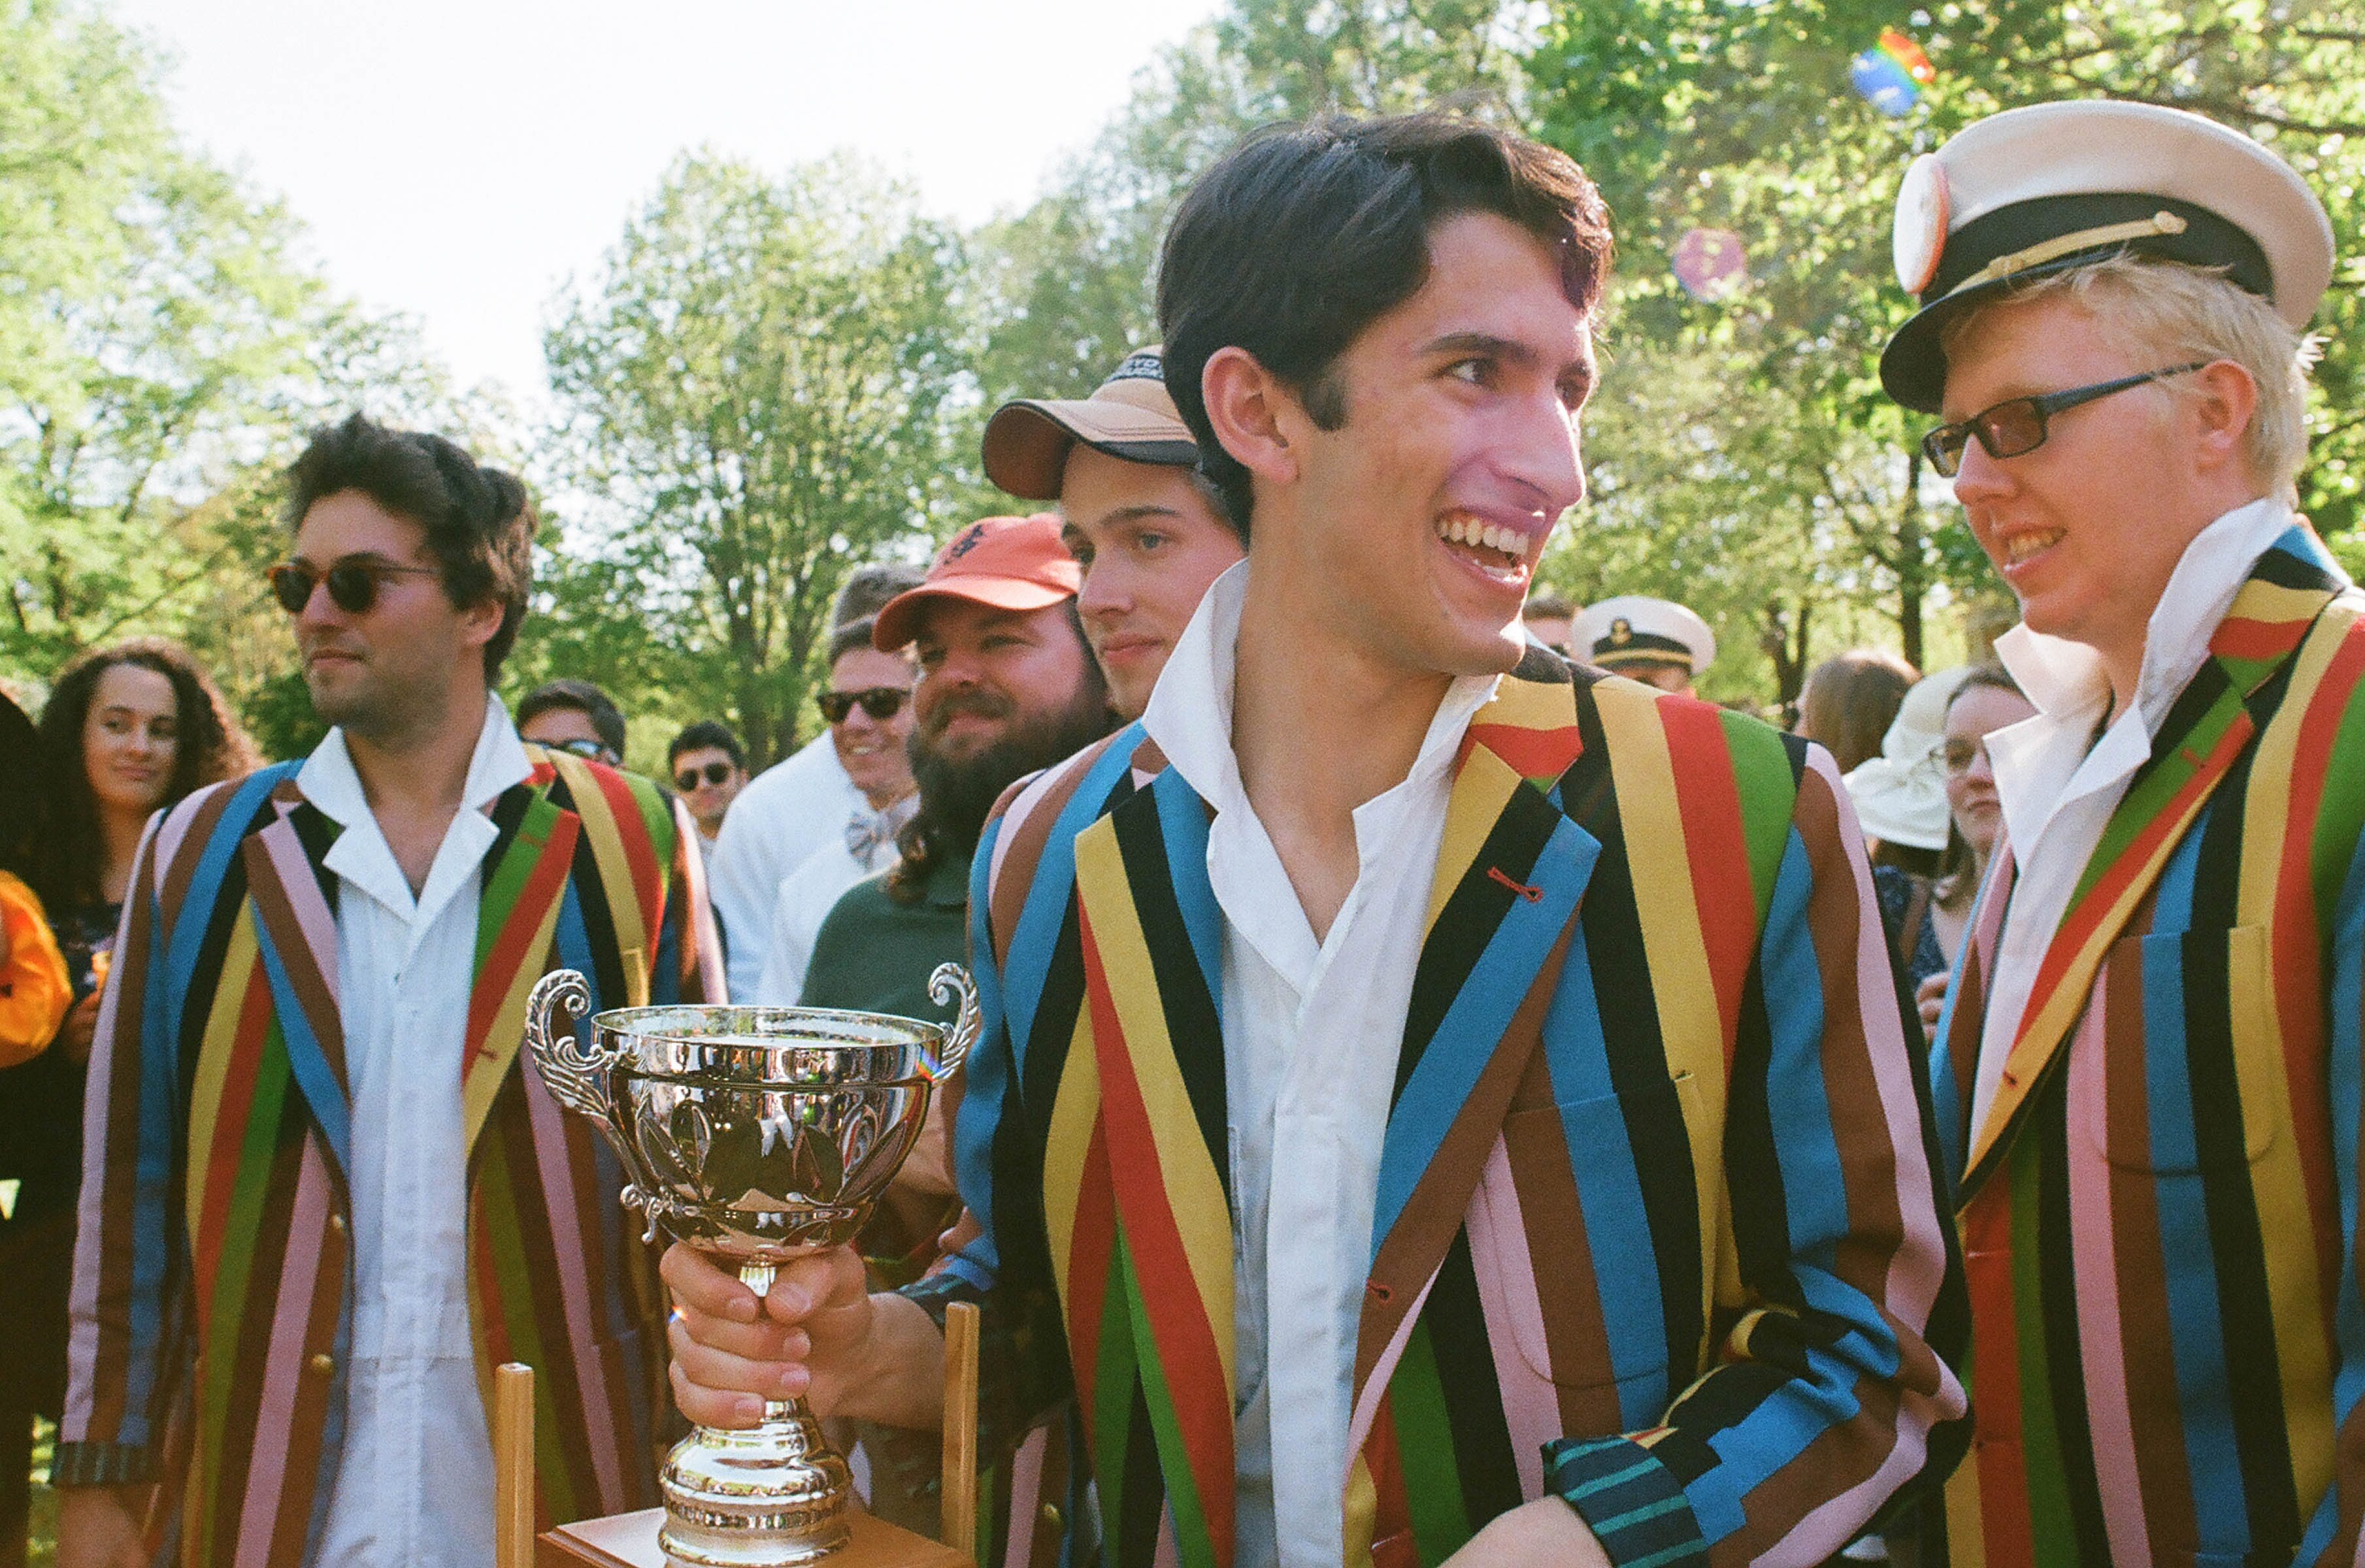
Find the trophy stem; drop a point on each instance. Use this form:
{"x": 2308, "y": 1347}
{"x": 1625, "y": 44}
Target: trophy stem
{"x": 758, "y": 1277}
{"x": 772, "y": 1496}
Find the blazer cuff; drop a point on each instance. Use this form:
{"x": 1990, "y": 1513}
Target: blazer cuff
{"x": 100, "y": 1464}
{"x": 1630, "y": 1501}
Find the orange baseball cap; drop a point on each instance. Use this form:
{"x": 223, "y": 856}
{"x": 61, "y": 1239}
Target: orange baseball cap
{"x": 1131, "y": 416}
{"x": 1009, "y": 563}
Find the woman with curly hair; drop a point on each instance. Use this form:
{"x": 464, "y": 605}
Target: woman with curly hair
{"x": 128, "y": 731}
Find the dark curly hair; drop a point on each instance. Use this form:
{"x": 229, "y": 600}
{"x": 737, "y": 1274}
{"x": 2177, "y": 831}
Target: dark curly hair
{"x": 478, "y": 519}
{"x": 68, "y": 863}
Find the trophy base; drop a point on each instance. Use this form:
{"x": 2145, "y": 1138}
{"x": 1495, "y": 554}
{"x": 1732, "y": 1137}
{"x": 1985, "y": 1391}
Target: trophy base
{"x": 771, "y": 1497}
{"x": 630, "y": 1541}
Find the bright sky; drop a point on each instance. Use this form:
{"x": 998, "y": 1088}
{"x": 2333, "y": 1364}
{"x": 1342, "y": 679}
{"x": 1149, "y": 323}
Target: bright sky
{"x": 456, "y": 159}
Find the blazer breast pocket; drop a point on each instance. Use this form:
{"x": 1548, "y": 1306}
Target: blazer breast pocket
{"x": 1560, "y": 1322}
{"x": 2188, "y": 1053}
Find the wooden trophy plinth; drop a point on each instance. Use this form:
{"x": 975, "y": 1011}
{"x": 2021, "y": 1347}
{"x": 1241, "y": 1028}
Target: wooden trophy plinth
{"x": 630, "y": 1541}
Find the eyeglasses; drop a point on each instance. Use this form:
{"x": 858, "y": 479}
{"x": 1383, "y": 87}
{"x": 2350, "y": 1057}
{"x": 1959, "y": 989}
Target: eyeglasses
{"x": 1960, "y": 752}
{"x": 882, "y": 702}
{"x": 591, "y": 751}
{"x": 2016, "y": 425}
{"x": 687, "y": 779}
{"x": 353, "y": 582}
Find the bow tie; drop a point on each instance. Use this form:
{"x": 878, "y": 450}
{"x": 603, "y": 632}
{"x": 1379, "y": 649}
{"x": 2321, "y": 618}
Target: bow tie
{"x": 866, "y": 831}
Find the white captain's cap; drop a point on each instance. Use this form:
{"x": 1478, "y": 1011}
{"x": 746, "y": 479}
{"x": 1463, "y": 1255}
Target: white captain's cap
{"x": 1635, "y": 629}
{"x": 2050, "y": 186}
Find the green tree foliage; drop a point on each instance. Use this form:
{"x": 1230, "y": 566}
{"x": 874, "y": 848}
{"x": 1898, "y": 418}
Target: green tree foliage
{"x": 1066, "y": 286}
{"x": 757, "y": 394}
{"x": 1739, "y": 116}
{"x": 161, "y": 350}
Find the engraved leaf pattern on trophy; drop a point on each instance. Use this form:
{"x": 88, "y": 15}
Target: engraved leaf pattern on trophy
{"x": 861, "y": 1136}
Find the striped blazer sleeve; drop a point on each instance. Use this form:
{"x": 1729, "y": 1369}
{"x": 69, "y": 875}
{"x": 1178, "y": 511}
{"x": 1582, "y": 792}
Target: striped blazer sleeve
{"x": 128, "y": 1345}
{"x": 2334, "y": 1532}
{"x": 1840, "y": 1305}
{"x": 1025, "y": 1376}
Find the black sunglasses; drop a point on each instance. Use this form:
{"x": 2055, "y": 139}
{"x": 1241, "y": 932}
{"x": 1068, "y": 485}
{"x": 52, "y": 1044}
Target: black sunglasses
{"x": 2016, "y": 425}
{"x": 880, "y": 702}
{"x": 353, "y": 582}
{"x": 687, "y": 779}
{"x": 590, "y": 751}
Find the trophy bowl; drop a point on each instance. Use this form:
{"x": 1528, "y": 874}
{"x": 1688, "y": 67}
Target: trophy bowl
{"x": 756, "y": 1136}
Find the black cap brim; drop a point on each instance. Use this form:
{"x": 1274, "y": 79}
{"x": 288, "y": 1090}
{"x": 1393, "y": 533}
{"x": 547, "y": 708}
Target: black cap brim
{"x": 1914, "y": 364}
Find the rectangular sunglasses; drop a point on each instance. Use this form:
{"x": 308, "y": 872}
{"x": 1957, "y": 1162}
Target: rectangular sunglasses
{"x": 882, "y": 702}
{"x": 353, "y": 582}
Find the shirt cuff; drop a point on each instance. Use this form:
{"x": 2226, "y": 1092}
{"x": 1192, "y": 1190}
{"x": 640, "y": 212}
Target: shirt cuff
{"x": 1630, "y": 1501}
{"x": 100, "y": 1464}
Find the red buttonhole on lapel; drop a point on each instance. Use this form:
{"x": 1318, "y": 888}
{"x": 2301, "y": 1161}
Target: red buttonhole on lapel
{"x": 1496, "y": 874}
{"x": 1380, "y": 1292}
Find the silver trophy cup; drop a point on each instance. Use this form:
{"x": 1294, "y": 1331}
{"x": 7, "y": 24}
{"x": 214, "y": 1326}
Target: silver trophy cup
{"x": 757, "y": 1135}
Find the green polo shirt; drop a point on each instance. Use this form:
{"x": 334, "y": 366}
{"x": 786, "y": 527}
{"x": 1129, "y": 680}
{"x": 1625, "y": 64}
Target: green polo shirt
{"x": 874, "y": 954}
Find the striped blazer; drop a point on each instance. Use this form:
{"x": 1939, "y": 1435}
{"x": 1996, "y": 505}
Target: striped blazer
{"x": 212, "y": 1297}
{"x": 2159, "y": 1212}
{"x": 1655, "y": 1226}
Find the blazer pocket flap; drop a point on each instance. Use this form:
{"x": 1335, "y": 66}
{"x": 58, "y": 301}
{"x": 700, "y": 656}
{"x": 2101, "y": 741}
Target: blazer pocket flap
{"x": 1598, "y": 1142}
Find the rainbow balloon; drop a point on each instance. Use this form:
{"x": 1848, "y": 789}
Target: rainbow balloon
{"x": 1891, "y": 76}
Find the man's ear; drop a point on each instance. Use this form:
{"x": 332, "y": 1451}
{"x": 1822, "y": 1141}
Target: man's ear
{"x": 2225, "y": 401}
{"x": 480, "y": 622}
{"x": 1250, "y": 411}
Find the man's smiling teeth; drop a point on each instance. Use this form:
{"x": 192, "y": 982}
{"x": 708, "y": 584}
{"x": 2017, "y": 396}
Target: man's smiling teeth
{"x": 2021, "y": 546}
{"x": 1462, "y": 528}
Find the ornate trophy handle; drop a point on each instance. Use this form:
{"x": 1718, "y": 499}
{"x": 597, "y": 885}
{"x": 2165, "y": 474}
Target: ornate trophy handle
{"x": 576, "y": 1078}
{"x": 950, "y": 980}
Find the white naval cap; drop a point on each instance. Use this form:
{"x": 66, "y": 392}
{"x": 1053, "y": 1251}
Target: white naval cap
{"x": 1634, "y": 628}
{"x": 2050, "y": 186}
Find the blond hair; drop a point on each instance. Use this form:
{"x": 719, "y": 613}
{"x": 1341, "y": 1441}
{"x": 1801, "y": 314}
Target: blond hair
{"x": 2175, "y": 314}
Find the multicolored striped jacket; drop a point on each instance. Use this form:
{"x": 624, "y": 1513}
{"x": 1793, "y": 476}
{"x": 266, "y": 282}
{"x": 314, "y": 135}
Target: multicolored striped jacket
{"x": 212, "y": 1301}
{"x": 1657, "y": 1226}
{"x": 2159, "y": 1213}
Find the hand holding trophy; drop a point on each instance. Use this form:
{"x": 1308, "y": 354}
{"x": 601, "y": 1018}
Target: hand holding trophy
{"x": 756, "y": 1136}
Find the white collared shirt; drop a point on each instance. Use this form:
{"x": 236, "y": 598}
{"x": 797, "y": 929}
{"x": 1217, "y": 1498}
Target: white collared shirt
{"x": 2056, "y": 793}
{"x": 774, "y": 825}
{"x": 812, "y": 890}
{"x": 414, "y": 1487}
{"x": 1311, "y": 1032}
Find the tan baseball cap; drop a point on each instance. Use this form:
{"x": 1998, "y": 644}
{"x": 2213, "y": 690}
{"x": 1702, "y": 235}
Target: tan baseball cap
{"x": 1007, "y": 563}
{"x": 1129, "y": 416}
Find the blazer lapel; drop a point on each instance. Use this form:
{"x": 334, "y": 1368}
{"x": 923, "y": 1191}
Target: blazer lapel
{"x": 1149, "y": 930}
{"x": 296, "y": 938}
{"x": 1955, "y": 1054}
{"x": 523, "y": 884}
{"x": 2202, "y": 737}
{"x": 1503, "y": 902}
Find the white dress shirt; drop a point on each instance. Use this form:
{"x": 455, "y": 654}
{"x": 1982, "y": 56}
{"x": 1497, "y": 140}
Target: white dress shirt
{"x": 785, "y": 814}
{"x": 812, "y": 890}
{"x": 414, "y": 1488}
{"x": 2057, "y": 792}
{"x": 1311, "y": 1032}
